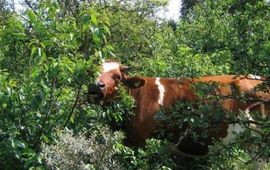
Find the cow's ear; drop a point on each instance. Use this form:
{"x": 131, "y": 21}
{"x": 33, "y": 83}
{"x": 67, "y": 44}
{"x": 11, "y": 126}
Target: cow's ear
{"x": 125, "y": 69}
{"x": 134, "y": 82}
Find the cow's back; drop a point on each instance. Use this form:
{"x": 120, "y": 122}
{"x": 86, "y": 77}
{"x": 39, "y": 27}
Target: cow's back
{"x": 231, "y": 87}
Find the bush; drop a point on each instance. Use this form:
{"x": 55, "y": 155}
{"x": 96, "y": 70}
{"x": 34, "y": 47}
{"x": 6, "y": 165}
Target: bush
{"x": 155, "y": 155}
{"x": 81, "y": 152}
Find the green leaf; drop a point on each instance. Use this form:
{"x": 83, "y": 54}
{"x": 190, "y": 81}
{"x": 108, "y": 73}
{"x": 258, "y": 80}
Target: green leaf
{"x": 107, "y": 30}
{"x": 94, "y": 19}
{"x": 31, "y": 15}
{"x": 20, "y": 144}
{"x": 17, "y": 144}
{"x": 33, "y": 51}
{"x": 72, "y": 118}
{"x": 36, "y": 74}
{"x": 39, "y": 51}
{"x": 45, "y": 139}
{"x": 85, "y": 21}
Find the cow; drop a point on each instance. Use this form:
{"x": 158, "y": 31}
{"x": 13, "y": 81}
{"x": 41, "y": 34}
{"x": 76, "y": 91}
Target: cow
{"x": 155, "y": 94}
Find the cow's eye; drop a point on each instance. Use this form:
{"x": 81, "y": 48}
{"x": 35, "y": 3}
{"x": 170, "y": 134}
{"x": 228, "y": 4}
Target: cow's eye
{"x": 116, "y": 77}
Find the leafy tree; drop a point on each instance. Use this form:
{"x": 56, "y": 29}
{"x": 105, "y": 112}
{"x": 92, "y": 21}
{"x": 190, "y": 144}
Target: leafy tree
{"x": 238, "y": 40}
{"x": 133, "y": 25}
{"x": 45, "y": 65}
{"x": 187, "y": 6}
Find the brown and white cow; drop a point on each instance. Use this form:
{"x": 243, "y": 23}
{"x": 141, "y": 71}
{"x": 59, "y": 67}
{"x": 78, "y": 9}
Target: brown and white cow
{"x": 153, "y": 94}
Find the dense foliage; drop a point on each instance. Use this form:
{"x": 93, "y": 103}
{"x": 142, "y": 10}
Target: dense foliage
{"x": 51, "y": 53}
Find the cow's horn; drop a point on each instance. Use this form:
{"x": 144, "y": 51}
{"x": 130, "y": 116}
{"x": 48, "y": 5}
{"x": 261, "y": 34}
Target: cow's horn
{"x": 125, "y": 68}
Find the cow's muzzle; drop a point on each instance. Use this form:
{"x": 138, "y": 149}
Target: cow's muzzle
{"x": 94, "y": 92}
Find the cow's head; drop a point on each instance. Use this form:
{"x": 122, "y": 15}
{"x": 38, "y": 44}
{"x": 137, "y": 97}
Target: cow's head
{"x": 111, "y": 75}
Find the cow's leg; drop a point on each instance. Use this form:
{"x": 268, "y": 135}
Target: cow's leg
{"x": 192, "y": 147}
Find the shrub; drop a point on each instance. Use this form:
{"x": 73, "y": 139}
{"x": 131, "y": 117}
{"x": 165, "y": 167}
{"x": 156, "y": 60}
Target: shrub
{"x": 72, "y": 151}
{"x": 155, "y": 155}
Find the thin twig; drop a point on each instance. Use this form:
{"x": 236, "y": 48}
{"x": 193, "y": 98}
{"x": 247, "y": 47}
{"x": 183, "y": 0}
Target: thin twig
{"x": 30, "y": 6}
{"x": 74, "y": 106}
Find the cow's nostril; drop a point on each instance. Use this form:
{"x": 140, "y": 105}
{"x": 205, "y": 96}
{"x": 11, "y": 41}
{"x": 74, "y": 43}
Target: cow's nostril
{"x": 101, "y": 85}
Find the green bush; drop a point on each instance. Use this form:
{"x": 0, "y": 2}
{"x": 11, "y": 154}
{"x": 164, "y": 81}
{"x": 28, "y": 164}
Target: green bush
{"x": 46, "y": 65}
{"x": 155, "y": 155}
{"x": 97, "y": 151}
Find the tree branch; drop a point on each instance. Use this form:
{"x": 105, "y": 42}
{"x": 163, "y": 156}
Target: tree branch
{"x": 74, "y": 106}
{"x": 30, "y": 6}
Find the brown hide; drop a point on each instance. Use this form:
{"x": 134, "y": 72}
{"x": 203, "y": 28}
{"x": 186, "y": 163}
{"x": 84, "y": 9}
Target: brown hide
{"x": 143, "y": 123}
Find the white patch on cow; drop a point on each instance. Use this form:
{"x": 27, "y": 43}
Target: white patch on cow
{"x": 251, "y": 76}
{"x": 233, "y": 130}
{"x": 161, "y": 90}
{"x": 248, "y": 116}
{"x": 106, "y": 67}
